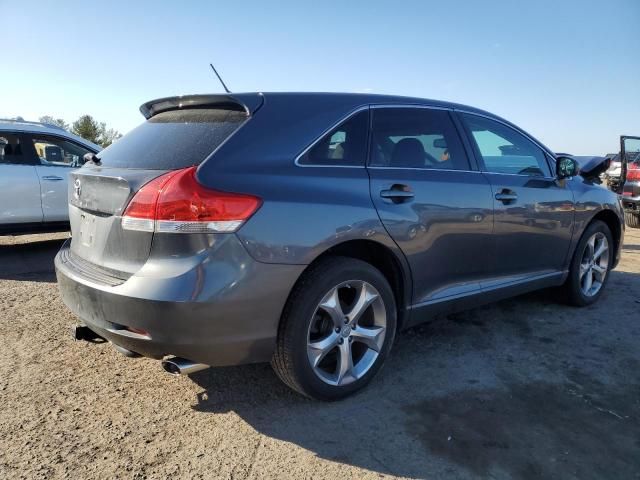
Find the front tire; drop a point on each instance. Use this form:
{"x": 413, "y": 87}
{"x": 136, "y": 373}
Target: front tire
{"x": 590, "y": 266}
{"x": 336, "y": 329}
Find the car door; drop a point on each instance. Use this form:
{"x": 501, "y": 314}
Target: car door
{"x": 435, "y": 206}
{"x": 56, "y": 157}
{"x": 19, "y": 186}
{"x": 533, "y": 210}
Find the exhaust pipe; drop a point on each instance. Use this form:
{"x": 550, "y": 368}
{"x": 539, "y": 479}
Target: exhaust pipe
{"x": 182, "y": 366}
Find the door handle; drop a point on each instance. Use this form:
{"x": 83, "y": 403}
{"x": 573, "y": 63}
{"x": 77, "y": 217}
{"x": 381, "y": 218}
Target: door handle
{"x": 398, "y": 193}
{"x": 506, "y": 196}
{"x": 52, "y": 178}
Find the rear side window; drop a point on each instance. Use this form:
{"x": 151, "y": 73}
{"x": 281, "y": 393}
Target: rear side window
{"x": 172, "y": 140}
{"x": 345, "y": 145}
{"x": 11, "y": 150}
{"x": 416, "y": 138}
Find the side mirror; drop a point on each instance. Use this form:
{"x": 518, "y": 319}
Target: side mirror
{"x": 566, "y": 167}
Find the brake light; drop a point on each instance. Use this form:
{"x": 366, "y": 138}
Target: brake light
{"x": 176, "y": 203}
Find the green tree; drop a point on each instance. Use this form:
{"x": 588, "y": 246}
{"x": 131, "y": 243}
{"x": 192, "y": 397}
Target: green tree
{"x": 87, "y": 128}
{"x": 97, "y": 132}
{"x": 59, "y": 122}
{"x": 108, "y": 135}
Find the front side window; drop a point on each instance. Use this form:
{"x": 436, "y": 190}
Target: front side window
{"x": 345, "y": 145}
{"x": 416, "y": 138}
{"x": 52, "y": 151}
{"x": 503, "y": 150}
{"x": 11, "y": 150}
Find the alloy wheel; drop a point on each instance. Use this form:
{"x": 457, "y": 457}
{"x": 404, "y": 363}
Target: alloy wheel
{"x": 594, "y": 264}
{"x": 347, "y": 332}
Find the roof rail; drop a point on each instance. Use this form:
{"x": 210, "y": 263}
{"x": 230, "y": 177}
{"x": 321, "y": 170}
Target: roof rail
{"x": 27, "y": 122}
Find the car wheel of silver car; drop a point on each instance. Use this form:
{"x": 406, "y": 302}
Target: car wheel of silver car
{"x": 590, "y": 265}
{"x": 336, "y": 330}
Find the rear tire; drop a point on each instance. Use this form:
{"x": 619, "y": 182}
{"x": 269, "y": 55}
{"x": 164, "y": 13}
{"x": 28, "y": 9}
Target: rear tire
{"x": 336, "y": 329}
{"x": 590, "y": 266}
{"x": 632, "y": 219}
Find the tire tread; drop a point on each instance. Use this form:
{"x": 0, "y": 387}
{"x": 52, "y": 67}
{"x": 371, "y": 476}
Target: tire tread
{"x": 632, "y": 219}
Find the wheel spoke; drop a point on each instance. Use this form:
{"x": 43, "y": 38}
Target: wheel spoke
{"x": 365, "y": 298}
{"x": 372, "y": 337}
{"x": 584, "y": 268}
{"x": 599, "y": 272}
{"x": 345, "y": 363}
{"x": 588, "y": 281}
{"x": 602, "y": 248}
{"x": 319, "y": 349}
{"x": 591, "y": 247}
{"x": 331, "y": 305}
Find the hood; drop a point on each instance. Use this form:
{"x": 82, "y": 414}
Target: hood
{"x": 592, "y": 166}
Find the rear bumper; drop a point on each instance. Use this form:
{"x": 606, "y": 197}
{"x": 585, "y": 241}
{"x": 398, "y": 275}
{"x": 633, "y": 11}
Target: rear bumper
{"x": 219, "y": 307}
{"x": 631, "y": 197}
{"x": 631, "y": 204}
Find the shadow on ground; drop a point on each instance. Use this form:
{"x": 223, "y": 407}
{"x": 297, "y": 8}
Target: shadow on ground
{"x": 31, "y": 261}
{"x": 513, "y": 390}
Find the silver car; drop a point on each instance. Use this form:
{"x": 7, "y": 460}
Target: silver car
{"x": 35, "y": 161}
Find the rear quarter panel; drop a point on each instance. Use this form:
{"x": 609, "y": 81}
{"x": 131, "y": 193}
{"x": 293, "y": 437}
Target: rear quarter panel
{"x": 310, "y": 210}
{"x": 306, "y": 209}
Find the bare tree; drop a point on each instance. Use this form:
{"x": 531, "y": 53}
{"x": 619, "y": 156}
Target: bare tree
{"x": 58, "y": 122}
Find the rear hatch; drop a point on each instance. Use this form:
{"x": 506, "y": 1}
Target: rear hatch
{"x": 99, "y": 193}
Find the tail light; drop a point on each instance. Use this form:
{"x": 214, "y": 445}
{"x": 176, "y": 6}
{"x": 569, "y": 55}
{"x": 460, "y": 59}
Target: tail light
{"x": 633, "y": 172}
{"x": 176, "y": 203}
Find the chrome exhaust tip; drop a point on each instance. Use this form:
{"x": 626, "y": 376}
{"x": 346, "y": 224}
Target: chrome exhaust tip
{"x": 181, "y": 366}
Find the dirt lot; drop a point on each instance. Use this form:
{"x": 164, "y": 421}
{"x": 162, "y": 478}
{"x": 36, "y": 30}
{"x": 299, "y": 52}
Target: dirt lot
{"x": 525, "y": 388}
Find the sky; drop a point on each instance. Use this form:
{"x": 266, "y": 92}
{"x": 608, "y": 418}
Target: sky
{"x": 565, "y": 71}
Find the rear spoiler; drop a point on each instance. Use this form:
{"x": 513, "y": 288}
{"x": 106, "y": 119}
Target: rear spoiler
{"x": 241, "y": 102}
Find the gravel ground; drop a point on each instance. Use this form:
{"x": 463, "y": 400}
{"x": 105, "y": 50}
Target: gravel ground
{"x": 525, "y": 388}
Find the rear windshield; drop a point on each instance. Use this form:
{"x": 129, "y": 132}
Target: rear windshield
{"x": 174, "y": 139}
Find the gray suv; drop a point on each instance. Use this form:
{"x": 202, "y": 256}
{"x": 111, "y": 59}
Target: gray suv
{"x": 307, "y": 229}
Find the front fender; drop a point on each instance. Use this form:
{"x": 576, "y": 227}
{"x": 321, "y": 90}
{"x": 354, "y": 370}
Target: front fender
{"x": 595, "y": 201}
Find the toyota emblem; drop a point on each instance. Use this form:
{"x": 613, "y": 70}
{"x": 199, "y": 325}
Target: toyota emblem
{"x": 77, "y": 189}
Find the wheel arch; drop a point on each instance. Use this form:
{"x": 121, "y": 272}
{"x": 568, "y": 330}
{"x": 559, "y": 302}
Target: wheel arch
{"x": 394, "y": 269}
{"x": 612, "y": 220}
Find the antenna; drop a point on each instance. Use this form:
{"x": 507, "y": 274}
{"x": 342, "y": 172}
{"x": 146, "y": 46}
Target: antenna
{"x": 219, "y": 78}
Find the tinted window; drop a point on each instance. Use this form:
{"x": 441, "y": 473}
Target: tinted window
{"x": 171, "y": 140}
{"x": 344, "y": 145}
{"x": 416, "y": 138}
{"x": 11, "y": 149}
{"x": 58, "y": 152}
{"x": 504, "y": 150}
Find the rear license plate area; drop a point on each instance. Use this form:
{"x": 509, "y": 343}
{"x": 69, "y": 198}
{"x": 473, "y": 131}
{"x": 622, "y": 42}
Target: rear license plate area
{"x": 87, "y": 229}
